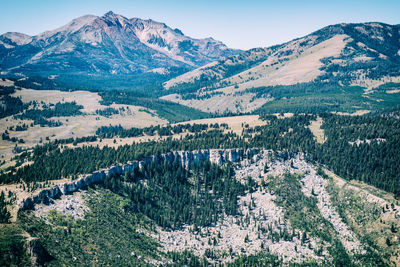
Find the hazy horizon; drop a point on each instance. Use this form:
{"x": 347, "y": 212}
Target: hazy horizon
{"x": 238, "y": 24}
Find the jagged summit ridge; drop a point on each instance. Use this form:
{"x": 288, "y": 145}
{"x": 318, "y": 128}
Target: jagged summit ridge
{"x": 110, "y": 44}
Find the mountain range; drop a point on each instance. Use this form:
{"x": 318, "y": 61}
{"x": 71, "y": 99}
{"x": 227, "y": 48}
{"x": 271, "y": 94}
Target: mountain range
{"x": 125, "y": 142}
{"x": 342, "y": 67}
{"x": 110, "y": 44}
{"x": 364, "y": 56}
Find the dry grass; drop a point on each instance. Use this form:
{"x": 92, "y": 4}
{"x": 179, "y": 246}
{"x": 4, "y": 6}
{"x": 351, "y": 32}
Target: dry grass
{"x": 362, "y": 201}
{"x": 188, "y": 76}
{"x": 221, "y": 103}
{"x": 235, "y": 123}
{"x": 89, "y": 101}
{"x": 117, "y": 142}
{"x": 77, "y": 126}
{"x": 371, "y": 84}
{"x": 301, "y": 67}
{"x": 6, "y": 82}
{"x": 318, "y": 132}
{"x": 285, "y": 115}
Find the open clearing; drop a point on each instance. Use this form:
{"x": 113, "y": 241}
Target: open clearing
{"x": 236, "y": 124}
{"x": 90, "y": 101}
{"x": 300, "y": 68}
{"x": 318, "y": 132}
{"x": 357, "y": 113}
{"x": 76, "y": 126}
{"x": 221, "y": 103}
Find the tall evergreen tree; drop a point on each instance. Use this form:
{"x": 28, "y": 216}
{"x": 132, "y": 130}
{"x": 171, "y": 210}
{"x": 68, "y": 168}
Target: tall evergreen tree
{"x": 4, "y": 213}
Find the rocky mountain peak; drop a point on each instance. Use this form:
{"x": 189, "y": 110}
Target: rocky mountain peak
{"x": 18, "y": 38}
{"x": 109, "y": 14}
{"x": 11, "y": 39}
{"x": 108, "y": 44}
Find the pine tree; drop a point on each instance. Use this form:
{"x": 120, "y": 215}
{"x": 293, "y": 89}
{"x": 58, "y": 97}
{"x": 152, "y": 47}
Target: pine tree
{"x": 303, "y": 238}
{"x": 4, "y": 213}
{"x": 388, "y": 243}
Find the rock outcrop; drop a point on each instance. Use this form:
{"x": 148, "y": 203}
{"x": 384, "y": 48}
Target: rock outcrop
{"x": 37, "y": 253}
{"x": 186, "y": 158}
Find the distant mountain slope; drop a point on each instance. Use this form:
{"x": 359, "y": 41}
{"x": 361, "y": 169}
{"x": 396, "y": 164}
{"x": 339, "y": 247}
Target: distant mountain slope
{"x": 366, "y": 55}
{"x": 107, "y": 45}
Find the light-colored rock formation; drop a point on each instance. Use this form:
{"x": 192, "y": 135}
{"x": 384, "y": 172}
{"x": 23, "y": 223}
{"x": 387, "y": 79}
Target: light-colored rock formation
{"x": 186, "y": 158}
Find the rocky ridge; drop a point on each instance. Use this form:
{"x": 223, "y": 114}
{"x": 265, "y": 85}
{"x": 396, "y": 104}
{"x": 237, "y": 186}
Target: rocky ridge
{"x": 187, "y": 159}
{"x": 261, "y": 218}
{"x": 108, "y": 44}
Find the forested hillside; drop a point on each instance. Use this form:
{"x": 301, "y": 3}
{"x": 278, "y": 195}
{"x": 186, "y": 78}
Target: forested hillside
{"x": 126, "y": 143}
{"x": 373, "y": 141}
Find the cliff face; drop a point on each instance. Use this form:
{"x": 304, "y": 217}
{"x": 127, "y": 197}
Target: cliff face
{"x": 38, "y": 254}
{"x": 186, "y": 158}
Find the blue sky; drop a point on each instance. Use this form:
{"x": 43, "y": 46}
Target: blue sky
{"x": 240, "y": 24}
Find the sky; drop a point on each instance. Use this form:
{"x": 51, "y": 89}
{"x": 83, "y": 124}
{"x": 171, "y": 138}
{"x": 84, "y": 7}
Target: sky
{"x": 242, "y": 24}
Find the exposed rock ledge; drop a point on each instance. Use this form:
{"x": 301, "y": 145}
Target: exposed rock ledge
{"x": 187, "y": 159}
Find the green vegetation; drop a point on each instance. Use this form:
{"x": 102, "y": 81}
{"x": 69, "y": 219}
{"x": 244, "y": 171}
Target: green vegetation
{"x": 260, "y": 259}
{"x": 364, "y": 218}
{"x": 109, "y": 235}
{"x": 123, "y": 209}
{"x": 187, "y": 259}
{"x": 40, "y": 116}
{"x": 38, "y": 83}
{"x": 107, "y": 112}
{"x": 317, "y": 97}
{"x": 4, "y": 213}
{"x": 138, "y": 82}
{"x": 143, "y": 82}
{"x": 10, "y": 105}
{"x": 12, "y": 246}
{"x": 301, "y": 210}
{"x": 170, "y": 111}
{"x": 241, "y": 62}
{"x": 376, "y": 162}
{"x": 64, "y": 163}
{"x": 172, "y": 196}
{"x": 303, "y": 214}
{"x": 59, "y": 110}
{"x": 112, "y": 131}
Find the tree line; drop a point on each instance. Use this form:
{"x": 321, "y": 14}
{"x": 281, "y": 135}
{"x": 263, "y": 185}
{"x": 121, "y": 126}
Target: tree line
{"x": 374, "y": 162}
